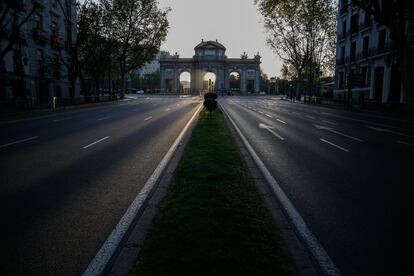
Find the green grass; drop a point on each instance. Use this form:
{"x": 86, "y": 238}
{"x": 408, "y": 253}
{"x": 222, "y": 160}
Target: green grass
{"x": 212, "y": 221}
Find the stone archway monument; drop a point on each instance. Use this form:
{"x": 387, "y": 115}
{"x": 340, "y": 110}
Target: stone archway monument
{"x": 210, "y": 56}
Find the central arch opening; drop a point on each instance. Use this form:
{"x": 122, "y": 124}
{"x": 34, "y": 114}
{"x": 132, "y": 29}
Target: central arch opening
{"x": 209, "y": 82}
{"x": 234, "y": 81}
{"x": 185, "y": 83}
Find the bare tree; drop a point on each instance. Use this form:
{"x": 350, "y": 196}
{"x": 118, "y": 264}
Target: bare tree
{"x": 13, "y": 16}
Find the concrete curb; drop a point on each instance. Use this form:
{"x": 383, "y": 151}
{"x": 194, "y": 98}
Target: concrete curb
{"x": 128, "y": 254}
{"x": 302, "y": 259}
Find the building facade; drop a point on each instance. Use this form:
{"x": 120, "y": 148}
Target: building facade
{"x": 210, "y": 57}
{"x": 366, "y": 65}
{"x": 33, "y": 70}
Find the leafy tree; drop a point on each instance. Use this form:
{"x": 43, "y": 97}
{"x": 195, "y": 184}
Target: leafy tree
{"x": 302, "y": 33}
{"x": 139, "y": 27}
{"x": 13, "y": 16}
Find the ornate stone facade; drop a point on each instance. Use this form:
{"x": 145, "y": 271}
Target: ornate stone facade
{"x": 210, "y": 57}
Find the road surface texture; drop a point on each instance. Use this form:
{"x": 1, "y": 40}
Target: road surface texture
{"x": 349, "y": 174}
{"x": 66, "y": 180}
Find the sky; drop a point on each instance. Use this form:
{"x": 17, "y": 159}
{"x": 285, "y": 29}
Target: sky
{"x": 236, "y": 24}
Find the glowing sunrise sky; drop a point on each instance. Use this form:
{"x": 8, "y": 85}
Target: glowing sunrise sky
{"x": 235, "y": 23}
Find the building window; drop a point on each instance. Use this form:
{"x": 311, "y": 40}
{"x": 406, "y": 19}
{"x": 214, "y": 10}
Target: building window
{"x": 37, "y": 21}
{"x": 365, "y": 47}
{"x": 354, "y": 23}
{"x": 353, "y": 50}
{"x": 381, "y": 41}
{"x": 343, "y": 27}
{"x": 343, "y": 53}
{"x": 364, "y": 71}
{"x": 341, "y": 80}
{"x": 367, "y": 19}
{"x": 40, "y": 62}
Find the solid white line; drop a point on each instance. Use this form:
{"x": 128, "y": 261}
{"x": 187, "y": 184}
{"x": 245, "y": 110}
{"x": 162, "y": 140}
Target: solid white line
{"x": 283, "y": 122}
{"x": 275, "y": 134}
{"x": 104, "y": 255}
{"x": 148, "y": 118}
{"x": 405, "y": 143}
{"x": 19, "y": 141}
{"x": 104, "y": 118}
{"x": 96, "y": 142}
{"x": 63, "y": 119}
{"x": 311, "y": 117}
{"x": 318, "y": 252}
{"x": 270, "y": 116}
{"x": 167, "y": 109}
{"x": 332, "y": 144}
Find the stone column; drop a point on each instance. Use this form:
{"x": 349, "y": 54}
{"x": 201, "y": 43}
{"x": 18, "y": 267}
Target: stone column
{"x": 386, "y": 84}
{"x": 175, "y": 82}
{"x": 257, "y": 82}
{"x": 372, "y": 83}
{"x": 243, "y": 82}
{"x": 226, "y": 80}
{"x": 192, "y": 81}
{"x": 162, "y": 80}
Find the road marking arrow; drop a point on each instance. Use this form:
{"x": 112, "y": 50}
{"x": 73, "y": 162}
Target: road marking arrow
{"x": 337, "y": 132}
{"x": 269, "y": 128}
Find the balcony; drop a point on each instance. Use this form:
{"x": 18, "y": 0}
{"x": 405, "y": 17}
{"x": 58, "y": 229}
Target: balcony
{"x": 40, "y": 34}
{"x": 373, "y": 52}
{"x": 385, "y": 48}
{"x": 347, "y": 60}
{"x": 364, "y": 25}
{"x": 58, "y": 41}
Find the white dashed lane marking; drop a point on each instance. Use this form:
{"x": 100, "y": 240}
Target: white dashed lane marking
{"x": 96, "y": 142}
{"x": 19, "y": 141}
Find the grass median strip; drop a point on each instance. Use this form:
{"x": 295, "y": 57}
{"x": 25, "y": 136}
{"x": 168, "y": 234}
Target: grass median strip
{"x": 212, "y": 221}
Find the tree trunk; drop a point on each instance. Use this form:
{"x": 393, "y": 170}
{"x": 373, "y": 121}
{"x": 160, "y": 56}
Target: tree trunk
{"x": 298, "y": 82}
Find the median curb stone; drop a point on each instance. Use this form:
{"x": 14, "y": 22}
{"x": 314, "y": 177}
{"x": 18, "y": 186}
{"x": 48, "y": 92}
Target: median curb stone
{"x": 304, "y": 266}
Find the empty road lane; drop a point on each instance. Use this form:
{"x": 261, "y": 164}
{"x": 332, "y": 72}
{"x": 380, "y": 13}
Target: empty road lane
{"x": 66, "y": 180}
{"x": 349, "y": 174}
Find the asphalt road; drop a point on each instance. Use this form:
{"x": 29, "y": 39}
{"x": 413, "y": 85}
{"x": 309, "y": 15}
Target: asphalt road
{"x": 67, "y": 179}
{"x": 349, "y": 174}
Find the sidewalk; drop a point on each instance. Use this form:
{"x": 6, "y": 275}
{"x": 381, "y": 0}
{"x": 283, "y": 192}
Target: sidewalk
{"x": 42, "y": 112}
